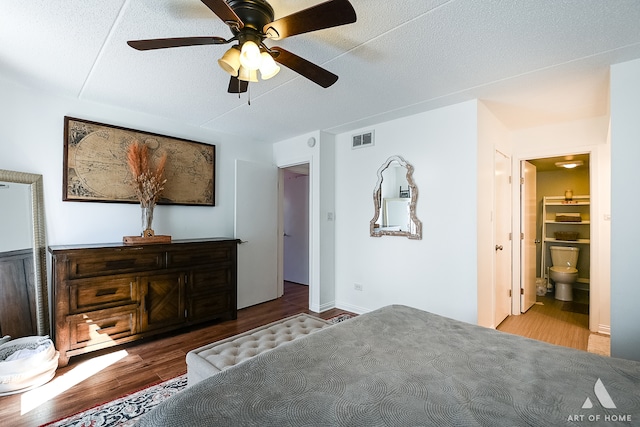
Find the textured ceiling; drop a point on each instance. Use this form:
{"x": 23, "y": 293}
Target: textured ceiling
{"x": 532, "y": 61}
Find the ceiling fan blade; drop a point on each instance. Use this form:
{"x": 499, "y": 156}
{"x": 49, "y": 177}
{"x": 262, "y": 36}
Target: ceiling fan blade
{"x": 237, "y": 86}
{"x": 174, "y": 42}
{"x": 305, "y": 68}
{"x": 223, "y": 11}
{"x": 329, "y": 14}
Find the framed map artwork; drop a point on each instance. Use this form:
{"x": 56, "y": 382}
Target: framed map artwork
{"x": 96, "y": 170}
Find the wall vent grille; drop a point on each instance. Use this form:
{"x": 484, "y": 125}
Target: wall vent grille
{"x": 362, "y": 140}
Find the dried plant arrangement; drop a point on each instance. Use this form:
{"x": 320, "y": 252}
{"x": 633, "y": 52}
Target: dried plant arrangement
{"x": 148, "y": 181}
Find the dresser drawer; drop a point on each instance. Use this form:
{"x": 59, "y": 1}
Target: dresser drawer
{"x": 199, "y": 256}
{"x": 209, "y": 306}
{"x": 208, "y": 279}
{"x": 103, "y": 292}
{"x": 115, "y": 262}
{"x": 102, "y": 328}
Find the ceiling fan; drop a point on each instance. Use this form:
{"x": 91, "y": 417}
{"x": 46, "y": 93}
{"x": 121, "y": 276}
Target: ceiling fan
{"x": 251, "y": 22}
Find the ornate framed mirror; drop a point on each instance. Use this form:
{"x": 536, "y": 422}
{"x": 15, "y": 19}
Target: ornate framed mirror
{"x": 24, "y": 306}
{"x": 395, "y": 197}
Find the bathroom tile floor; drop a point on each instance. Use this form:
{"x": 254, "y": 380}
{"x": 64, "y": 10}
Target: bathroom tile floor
{"x": 554, "y": 321}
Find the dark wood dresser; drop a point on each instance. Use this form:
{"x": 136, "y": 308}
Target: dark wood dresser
{"x": 110, "y": 294}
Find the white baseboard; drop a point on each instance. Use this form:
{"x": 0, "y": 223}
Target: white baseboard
{"x": 326, "y": 306}
{"x": 604, "y": 329}
{"x": 352, "y": 308}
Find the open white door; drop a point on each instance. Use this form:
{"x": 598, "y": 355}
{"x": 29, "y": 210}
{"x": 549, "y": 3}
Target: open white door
{"x": 256, "y": 226}
{"x": 502, "y": 230}
{"x": 528, "y": 225}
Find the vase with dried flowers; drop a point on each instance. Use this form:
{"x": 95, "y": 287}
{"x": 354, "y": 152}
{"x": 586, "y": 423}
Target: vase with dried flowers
{"x": 147, "y": 180}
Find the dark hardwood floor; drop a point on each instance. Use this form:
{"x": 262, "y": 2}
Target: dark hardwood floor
{"x": 85, "y": 383}
{"x": 82, "y": 384}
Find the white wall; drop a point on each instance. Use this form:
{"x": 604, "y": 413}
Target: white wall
{"x": 625, "y": 207}
{"x": 327, "y": 230}
{"x": 31, "y": 139}
{"x": 439, "y": 272}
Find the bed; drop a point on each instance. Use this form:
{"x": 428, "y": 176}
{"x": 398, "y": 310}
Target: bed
{"x": 399, "y": 366}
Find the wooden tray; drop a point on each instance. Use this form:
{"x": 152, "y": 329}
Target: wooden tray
{"x": 140, "y": 240}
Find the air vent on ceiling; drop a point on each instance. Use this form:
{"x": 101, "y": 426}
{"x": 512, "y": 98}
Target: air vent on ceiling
{"x": 362, "y": 140}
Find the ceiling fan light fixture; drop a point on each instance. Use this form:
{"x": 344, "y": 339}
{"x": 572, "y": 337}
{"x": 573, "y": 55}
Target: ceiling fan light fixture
{"x": 250, "y": 55}
{"x": 230, "y": 61}
{"x": 247, "y": 75}
{"x": 268, "y": 67}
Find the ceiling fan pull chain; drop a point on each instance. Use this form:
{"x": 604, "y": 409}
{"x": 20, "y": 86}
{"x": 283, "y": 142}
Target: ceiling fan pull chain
{"x": 249, "y": 95}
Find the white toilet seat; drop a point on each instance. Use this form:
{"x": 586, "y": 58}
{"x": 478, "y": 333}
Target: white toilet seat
{"x": 564, "y": 270}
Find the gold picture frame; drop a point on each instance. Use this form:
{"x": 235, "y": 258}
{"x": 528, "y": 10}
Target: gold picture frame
{"x": 96, "y": 170}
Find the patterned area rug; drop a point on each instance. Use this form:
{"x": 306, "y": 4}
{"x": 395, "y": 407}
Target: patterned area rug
{"x": 339, "y": 318}
{"x": 125, "y": 410}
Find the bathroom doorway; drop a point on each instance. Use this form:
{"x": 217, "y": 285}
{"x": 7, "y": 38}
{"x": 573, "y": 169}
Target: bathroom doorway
{"x": 554, "y": 177}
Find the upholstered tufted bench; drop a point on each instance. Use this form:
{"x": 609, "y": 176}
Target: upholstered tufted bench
{"x": 212, "y": 358}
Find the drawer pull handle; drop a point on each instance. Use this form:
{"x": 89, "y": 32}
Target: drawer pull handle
{"x": 107, "y": 326}
{"x": 103, "y": 292}
{"x": 120, "y": 263}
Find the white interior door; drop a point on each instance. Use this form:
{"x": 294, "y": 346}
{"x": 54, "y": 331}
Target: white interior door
{"x": 502, "y": 230}
{"x": 256, "y": 225}
{"x": 528, "y": 220}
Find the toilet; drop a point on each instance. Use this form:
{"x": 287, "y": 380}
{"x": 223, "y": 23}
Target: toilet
{"x": 563, "y": 271}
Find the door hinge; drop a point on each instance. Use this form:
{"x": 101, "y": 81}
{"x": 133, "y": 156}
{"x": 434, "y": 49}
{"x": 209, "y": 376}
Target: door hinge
{"x": 185, "y": 313}
{"x": 509, "y": 179}
{"x": 510, "y": 293}
{"x": 521, "y": 236}
{"x": 521, "y": 181}
{"x": 521, "y": 291}
{"x": 510, "y": 236}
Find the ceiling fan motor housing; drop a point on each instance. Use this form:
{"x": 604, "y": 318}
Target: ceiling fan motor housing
{"x": 255, "y": 14}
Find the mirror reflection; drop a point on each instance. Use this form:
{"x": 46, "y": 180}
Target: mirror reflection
{"x": 395, "y": 197}
{"x": 23, "y": 289}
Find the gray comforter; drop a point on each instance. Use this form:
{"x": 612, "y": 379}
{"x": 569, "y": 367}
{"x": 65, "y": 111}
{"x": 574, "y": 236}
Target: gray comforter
{"x": 399, "y": 366}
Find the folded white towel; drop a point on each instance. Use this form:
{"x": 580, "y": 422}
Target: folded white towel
{"x": 26, "y": 352}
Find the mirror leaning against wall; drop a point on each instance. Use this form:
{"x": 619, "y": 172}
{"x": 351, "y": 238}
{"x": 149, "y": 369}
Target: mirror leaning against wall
{"x": 395, "y": 197}
{"x": 24, "y": 307}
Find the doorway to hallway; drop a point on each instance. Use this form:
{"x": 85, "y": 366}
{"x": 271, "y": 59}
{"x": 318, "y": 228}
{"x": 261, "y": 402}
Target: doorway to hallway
{"x": 295, "y": 225}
